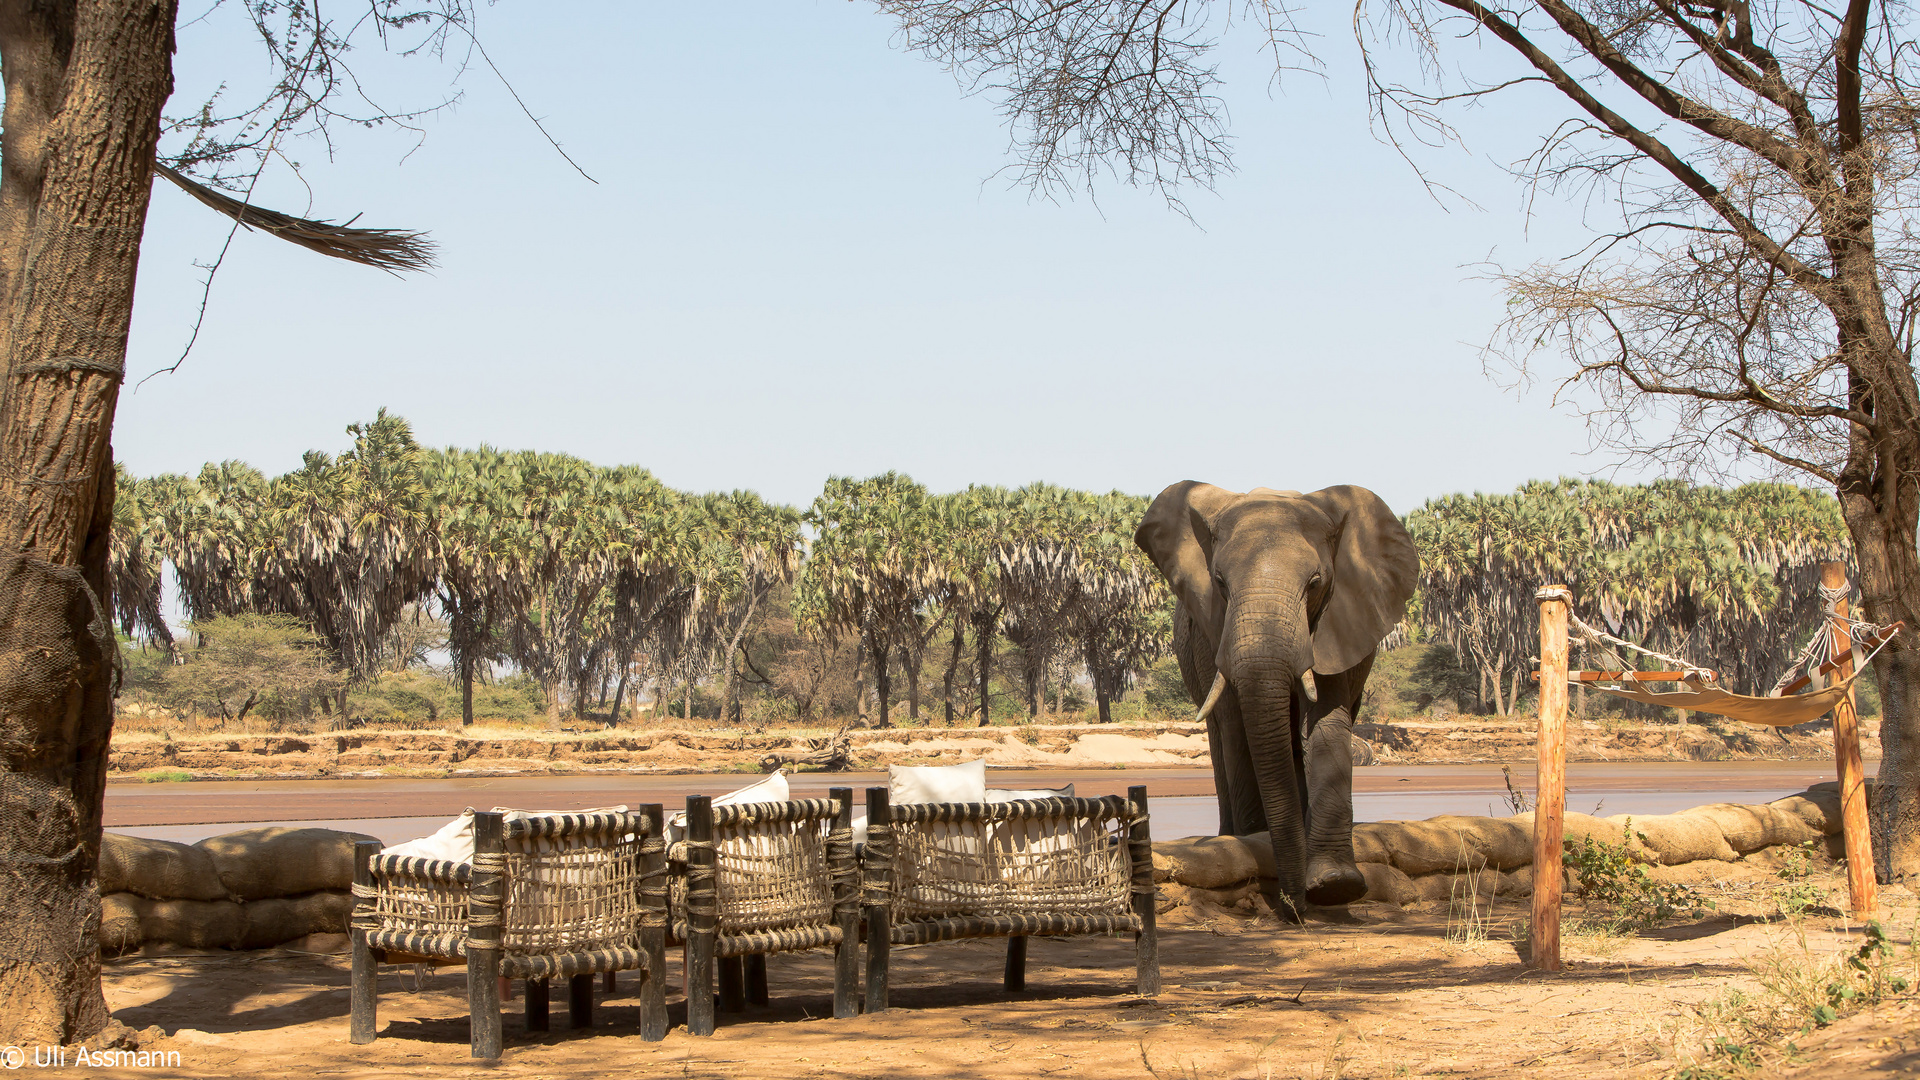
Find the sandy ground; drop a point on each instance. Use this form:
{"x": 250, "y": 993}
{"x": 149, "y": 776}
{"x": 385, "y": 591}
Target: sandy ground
{"x": 1376, "y": 993}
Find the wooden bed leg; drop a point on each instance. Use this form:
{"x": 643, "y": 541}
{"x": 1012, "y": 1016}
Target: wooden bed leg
{"x": 878, "y": 873}
{"x": 846, "y": 907}
{"x": 733, "y": 984}
{"x": 756, "y": 973}
{"x": 362, "y": 992}
{"x": 1146, "y": 941}
{"x": 486, "y": 901}
{"x": 653, "y": 926}
{"x": 608, "y": 984}
{"x": 703, "y": 915}
{"x": 537, "y": 990}
{"x": 580, "y": 1001}
{"x": 1016, "y": 976}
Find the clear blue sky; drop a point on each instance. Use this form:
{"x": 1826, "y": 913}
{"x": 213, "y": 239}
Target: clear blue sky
{"x": 798, "y": 262}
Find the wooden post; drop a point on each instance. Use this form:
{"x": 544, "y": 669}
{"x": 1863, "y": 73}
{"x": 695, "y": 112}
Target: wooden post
{"x": 1550, "y": 797}
{"x": 1146, "y": 943}
{"x": 703, "y": 915}
{"x": 1015, "y": 976}
{"x": 653, "y": 924}
{"x": 877, "y": 890}
{"x": 846, "y": 907}
{"x": 486, "y": 908}
{"x": 537, "y": 992}
{"x": 733, "y": 984}
{"x": 580, "y": 1001}
{"x": 361, "y": 991}
{"x": 1861, "y": 888}
{"x": 756, "y": 973}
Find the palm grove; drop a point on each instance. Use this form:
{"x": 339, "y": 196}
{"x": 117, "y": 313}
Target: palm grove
{"x": 584, "y": 579}
{"x": 584, "y": 585}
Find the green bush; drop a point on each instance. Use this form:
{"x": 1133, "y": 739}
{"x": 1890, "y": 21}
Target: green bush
{"x": 1612, "y": 879}
{"x": 1164, "y": 691}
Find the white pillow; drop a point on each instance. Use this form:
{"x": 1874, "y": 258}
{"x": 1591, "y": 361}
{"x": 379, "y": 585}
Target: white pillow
{"x": 964, "y": 783}
{"x": 995, "y": 794}
{"x": 772, "y": 789}
{"x": 453, "y": 842}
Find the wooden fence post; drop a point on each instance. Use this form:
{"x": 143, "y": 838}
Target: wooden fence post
{"x": 361, "y": 993}
{"x": 1861, "y": 888}
{"x": 1550, "y": 798}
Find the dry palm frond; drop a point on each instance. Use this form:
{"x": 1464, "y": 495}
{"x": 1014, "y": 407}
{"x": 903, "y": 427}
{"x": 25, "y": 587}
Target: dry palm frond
{"x": 392, "y": 250}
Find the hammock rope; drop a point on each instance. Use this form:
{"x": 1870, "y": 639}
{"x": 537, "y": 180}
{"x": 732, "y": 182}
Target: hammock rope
{"x": 1779, "y": 707}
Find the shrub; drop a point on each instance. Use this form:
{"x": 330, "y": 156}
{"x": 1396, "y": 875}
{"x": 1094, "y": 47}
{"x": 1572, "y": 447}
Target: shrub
{"x": 1610, "y": 878}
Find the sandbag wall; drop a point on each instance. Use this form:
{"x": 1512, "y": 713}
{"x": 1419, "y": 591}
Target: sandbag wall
{"x": 1406, "y": 862}
{"x": 252, "y": 889}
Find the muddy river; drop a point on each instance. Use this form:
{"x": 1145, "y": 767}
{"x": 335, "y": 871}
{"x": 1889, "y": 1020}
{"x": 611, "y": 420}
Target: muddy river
{"x": 1183, "y": 803}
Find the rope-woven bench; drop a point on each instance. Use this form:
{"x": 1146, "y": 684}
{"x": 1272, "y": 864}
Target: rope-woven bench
{"x": 1041, "y": 867}
{"x": 568, "y": 895}
{"x": 759, "y": 878}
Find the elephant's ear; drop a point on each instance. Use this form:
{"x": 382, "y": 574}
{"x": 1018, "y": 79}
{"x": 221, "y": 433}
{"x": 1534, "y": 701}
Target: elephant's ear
{"x": 1375, "y": 567}
{"x": 1177, "y": 535}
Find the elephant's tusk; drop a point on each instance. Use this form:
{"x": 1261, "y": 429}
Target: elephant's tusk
{"x": 1213, "y": 696}
{"x": 1306, "y": 683}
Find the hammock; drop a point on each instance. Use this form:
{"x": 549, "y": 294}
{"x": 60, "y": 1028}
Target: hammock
{"x": 1806, "y": 692}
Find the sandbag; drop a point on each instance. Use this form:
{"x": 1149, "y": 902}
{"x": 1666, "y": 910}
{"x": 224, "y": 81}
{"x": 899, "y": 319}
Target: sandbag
{"x": 1750, "y": 828}
{"x": 1206, "y": 862}
{"x": 119, "y": 923}
{"x": 157, "y": 868}
{"x": 197, "y": 924}
{"x": 1818, "y": 807}
{"x": 1427, "y": 847}
{"x": 1501, "y": 843}
{"x": 1370, "y": 844}
{"x": 1676, "y": 838}
{"x": 254, "y": 864}
{"x": 281, "y": 919}
{"x": 1387, "y": 884}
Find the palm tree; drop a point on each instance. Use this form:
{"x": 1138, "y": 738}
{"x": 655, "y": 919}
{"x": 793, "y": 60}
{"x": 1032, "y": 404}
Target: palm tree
{"x": 873, "y": 567}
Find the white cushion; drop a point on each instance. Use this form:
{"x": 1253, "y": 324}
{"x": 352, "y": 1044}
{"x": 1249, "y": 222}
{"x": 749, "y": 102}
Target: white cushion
{"x": 964, "y": 783}
{"x": 772, "y": 789}
{"x": 452, "y": 843}
{"x": 995, "y": 794}
{"x": 454, "y": 840}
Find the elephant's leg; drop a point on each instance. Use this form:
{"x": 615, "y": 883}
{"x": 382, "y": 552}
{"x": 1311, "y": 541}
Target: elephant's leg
{"x": 1332, "y": 877}
{"x": 1242, "y": 795}
{"x": 1196, "y": 671}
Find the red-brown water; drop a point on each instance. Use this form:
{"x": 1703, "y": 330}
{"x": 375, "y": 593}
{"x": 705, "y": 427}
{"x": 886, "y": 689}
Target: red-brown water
{"x": 1183, "y": 802}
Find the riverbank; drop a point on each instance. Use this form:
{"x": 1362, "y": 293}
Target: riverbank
{"x": 514, "y": 751}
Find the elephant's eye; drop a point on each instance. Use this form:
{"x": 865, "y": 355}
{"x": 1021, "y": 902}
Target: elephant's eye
{"x": 1313, "y": 582}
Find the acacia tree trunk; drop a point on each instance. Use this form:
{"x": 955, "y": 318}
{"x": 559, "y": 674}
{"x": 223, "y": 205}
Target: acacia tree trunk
{"x": 84, "y": 87}
{"x": 619, "y": 696}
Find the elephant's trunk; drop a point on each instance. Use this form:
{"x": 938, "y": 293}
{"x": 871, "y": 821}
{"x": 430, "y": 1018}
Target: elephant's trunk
{"x": 1267, "y": 648}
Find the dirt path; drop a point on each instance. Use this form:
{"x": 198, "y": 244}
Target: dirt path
{"x": 1384, "y": 994}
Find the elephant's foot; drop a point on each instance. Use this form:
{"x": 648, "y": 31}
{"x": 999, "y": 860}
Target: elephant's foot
{"x": 1331, "y": 883}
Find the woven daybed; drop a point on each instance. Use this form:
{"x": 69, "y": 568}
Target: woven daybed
{"x": 561, "y": 895}
{"x": 765, "y": 877}
{"x": 1033, "y": 867}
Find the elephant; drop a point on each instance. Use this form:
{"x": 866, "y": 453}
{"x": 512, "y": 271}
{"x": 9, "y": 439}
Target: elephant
{"x": 1281, "y": 600}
